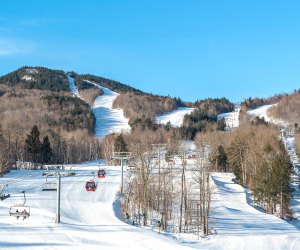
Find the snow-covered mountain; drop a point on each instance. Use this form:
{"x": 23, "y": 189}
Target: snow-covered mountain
{"x": 93, "y": 219}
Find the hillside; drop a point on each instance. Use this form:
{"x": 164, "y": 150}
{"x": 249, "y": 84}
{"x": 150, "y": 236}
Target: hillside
{"x": 37, "y": 78}
{"x": 139, "y": 107}
{"x": 40, "y": 96}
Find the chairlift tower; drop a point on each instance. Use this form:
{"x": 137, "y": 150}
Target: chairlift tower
{"x": 122, "y": 156}
{"x": 57, "y": 220}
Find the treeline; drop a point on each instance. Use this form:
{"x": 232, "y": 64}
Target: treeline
{"x": 259, "y": 161}
{"x": 107, "y": 83}
{"x": 70, "y": 113}
{"x": 37, "y": 78}
{"x": 204, "y": 118}
{"x": 67, "y": 121}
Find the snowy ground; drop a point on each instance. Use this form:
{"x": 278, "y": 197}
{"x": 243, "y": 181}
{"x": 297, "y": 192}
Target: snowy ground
{"x": 175, "y": 117}
{"x": 231, "y": 119}
{"x": 87, "y": 219}
{"x": 92, "y": 219}
{"x": 241, "y": 226}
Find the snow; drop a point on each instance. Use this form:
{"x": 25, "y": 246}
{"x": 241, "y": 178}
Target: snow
{"x": 233, "y": 215}
{"x": 73, "y": 87}
{"x": 32, "y": 71}
{"x": 231, "y": 119}
{"x": 289, "y": 142}
{"x": 28, "y": 78}
{"x": 108, "y": 120}
{"x": 241, "y": 226}
{"x": 175, "y": 117}
{"x": 261, "y": 112}
{"x": 87, "y": 219}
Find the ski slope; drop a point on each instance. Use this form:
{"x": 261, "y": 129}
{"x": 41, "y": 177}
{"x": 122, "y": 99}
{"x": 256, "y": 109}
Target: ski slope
{"x": 175, "y": 117}
{"x": 93, "y": 219}
{"x": 231, "y": 119}
{"x": 240, "y": 226}
{"x": 262, "y": 112}
{"x": 73, "y": 87}
{"x": 108, "y": 120}
{"x": 88, "y": 219}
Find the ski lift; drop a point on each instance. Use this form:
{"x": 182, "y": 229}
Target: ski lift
{"x": 101, "y": 173}
{"x": 90, "y": 186}
{"x": 21, "y": 210}
{"x": 49, "y": 185}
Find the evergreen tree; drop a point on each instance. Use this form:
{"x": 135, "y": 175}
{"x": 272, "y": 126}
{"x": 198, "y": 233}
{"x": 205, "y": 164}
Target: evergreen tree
{"x": 222, "y": 158}
{"x": 120, "y": 144}
{"x": 33, "y": 144}
{"x": 46, "y": 150}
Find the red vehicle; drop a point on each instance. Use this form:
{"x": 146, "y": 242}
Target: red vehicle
{"x": 101, "y": 173}
{"x": 90, "y": 186}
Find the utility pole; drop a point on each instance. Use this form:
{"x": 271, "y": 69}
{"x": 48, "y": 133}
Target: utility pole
{"x": 57, "y": 220}
{"x": 122, "y": 156}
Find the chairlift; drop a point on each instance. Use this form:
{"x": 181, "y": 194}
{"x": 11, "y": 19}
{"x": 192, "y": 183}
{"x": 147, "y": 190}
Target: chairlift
{"x": 21, "y": 210}
{"x": 49, "y": 185}
{"x": 90, "y": 186}
{"x": 101, "y": 173}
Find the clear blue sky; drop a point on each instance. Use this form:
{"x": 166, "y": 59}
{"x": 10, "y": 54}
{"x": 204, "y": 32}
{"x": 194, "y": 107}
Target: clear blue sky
{"x": 190, "y": 48}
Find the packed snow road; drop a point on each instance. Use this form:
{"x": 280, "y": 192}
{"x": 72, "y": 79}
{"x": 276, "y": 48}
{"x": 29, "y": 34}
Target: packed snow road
{"x": 88, "y": 219}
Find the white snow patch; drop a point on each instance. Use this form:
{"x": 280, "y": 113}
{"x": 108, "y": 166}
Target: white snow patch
{"x": 108, "y": 120}
{"x": 231, "y": 119}
{"x": 261, "y": 112}
{"x": 32, "y": 71}
{"x": 73, "y": 87}
{"x": 28, "y": 78}
{"x": 175, "y": 117}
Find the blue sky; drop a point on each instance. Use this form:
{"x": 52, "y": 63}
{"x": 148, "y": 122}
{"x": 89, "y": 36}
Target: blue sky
{"x": 191, "y": 49}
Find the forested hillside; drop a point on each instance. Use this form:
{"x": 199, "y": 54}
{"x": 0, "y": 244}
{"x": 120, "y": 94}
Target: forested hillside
{"x": 143, "y": 108}
{"x": 204, "y": 118}
{"x": 38, "y": 96}
{"x": 37, "y": 78}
